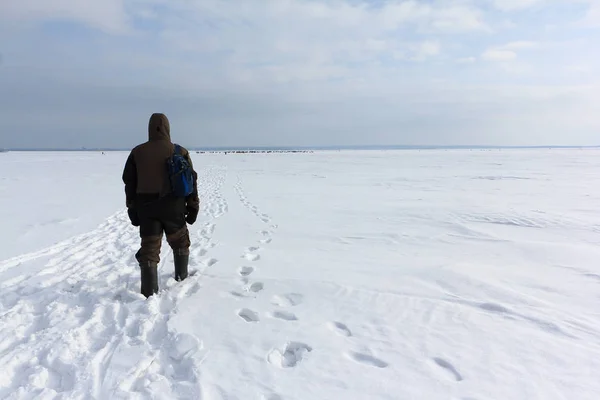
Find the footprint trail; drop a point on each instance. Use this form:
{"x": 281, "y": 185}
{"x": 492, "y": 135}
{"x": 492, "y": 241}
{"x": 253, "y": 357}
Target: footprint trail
{"x": 72, "y": 320}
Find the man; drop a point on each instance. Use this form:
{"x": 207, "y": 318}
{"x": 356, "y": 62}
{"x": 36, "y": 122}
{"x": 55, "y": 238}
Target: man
{"x": 151, "y": 206}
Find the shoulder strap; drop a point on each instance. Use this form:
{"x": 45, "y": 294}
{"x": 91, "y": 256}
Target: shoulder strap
{"x": 177, "y": 149}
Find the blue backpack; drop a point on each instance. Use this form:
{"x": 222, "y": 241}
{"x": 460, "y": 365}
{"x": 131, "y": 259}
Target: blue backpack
{"x": 180, "y": 174}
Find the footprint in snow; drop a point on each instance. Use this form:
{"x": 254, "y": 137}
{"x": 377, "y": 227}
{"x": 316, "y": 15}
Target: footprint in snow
{"x": 290, "y": 356}
{"x": 237, "y": 295}
{"x": 187, "y": 287}
{"x": 368, "y": 360}
{"x": 248, "y": 315}
{"x": 496, "y": 308}
{"x": 592, "y": 276}
{"x": 184, "y": 345}
{"x": 196, "y": 253}
{"x": 251, "y": 257}
{"x": 449, "y": 368}
{"x": 265, "y": 241}
{"x": 166, "y": 304}
{"x": 287, "y": 300}
{"x": 256, "y": 287}
{"x": 246, "y": 271}
{"x": 271, "y": 397}
{"x": 284, "y": 315}
{"x": 340, "y": 329}
{"x": 210, "y": 262}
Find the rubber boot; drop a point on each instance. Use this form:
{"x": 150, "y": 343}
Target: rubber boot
{"x": 181, "y": 266}
{"x": 149, "y": 275}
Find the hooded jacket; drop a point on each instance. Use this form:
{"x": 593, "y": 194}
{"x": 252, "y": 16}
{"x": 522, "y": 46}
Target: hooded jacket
{"x": 145, "y": 171}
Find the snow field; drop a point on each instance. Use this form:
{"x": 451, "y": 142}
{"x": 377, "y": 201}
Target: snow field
{"x": 352, "y": 275}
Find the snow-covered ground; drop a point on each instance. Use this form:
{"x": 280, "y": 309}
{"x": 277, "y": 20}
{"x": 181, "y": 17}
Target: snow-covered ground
{"x": 334, "y": 275}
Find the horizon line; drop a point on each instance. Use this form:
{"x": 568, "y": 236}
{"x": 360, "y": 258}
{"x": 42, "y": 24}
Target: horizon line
{"x": 328, "y": 147}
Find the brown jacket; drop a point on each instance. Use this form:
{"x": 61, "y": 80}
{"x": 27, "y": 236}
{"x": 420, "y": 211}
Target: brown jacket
{"x": 145, "y": 171}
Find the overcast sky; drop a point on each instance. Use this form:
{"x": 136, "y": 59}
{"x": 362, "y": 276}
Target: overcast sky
{"x": 298, "y": 72}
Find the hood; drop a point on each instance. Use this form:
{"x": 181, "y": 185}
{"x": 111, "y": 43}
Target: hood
{"x": 159, "y": 127}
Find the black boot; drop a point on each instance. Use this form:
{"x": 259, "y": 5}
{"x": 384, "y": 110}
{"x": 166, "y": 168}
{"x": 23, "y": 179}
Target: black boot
{"x": 149, "y": 276}
{"x": 181, "y": 266}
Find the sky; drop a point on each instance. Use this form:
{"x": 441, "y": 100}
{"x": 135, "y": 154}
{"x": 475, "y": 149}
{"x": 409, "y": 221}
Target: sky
{"x": 84, "y": 73}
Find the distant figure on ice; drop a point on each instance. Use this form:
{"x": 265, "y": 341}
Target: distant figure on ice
{"x": 161, "y": 195}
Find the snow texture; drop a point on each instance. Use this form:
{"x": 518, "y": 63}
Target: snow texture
{"x": 330, "y": 275}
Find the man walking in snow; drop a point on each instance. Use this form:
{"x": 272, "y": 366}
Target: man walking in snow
{"x": 153, "y": 208}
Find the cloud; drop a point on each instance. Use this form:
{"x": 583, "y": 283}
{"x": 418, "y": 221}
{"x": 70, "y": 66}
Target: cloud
{"x": 109, "y": 15}
{"x": 415, "y": 113}
{"x": 466, "y": 60}
{"x": 508, "y": 51}
{"x": 290, "y": 71}
{"x": 520, "y": 45}
{"x": 580, "y": 69}
{"x": 515, "y": 5}
{"x": 418, "y": 51}
{"x": 592, "y": 16}
{"x": 499, "y": 55}
{"x": 427, "y": 49}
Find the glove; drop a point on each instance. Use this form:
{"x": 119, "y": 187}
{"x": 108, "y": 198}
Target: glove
{"x": 133, "y": 217}
{"x": 192, "y": 214}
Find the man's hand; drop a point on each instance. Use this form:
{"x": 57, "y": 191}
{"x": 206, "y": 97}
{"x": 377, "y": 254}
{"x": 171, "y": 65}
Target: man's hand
{"x": 133, "y": 217}
{"x": 191, "y": 216}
